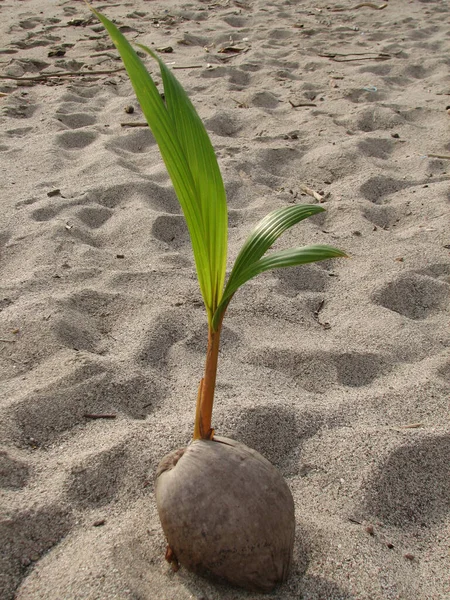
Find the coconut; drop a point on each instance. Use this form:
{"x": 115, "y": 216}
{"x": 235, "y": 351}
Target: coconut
{"x": 226, "y": 512}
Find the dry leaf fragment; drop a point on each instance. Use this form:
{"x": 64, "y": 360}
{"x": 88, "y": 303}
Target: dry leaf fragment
{"x": 230, "y": 50}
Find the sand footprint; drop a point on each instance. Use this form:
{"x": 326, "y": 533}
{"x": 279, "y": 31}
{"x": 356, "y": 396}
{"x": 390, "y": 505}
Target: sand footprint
{"x": 384, "y": 216}
{"x": 371, "y": 118}
{"x": 159, "y": 198}
{"x": 97, "y": 479}
{"x": 359, "y": 369}
{"x": 440, "y": 271}
{"x": 270, "y": 166}
{"x": 172, "y": 230}
{"x": 377, "y": 188}
{"x": 19, "y": 107}
{"x": 71, "y": 101}
{"x": 42, "y": 417}
{"x": 101, "y": 307}
{"x": 75, "y": 140}
{"x": 317, "y": 372}
{"x": 14, "y": 473}
{"x": 412, "y": 485}
{"x": 444, "y": 372}
{"x": 240, "y": 194}
{"x": 30, "y": 23}
{"x": 281, "y": 442}
{"x": 236, "y": 21}
{"x": 81, "y": 93}
{"x": 330, "y": 162}
{"x": 133, "y": 142}
{"x": 18, "y": 132}
{"x": 70, "y": 114}
{"x": 305, "y": 278}
{"x": 27, "y": 535}
{"x": 223, "y": 124}
{"x": 63, "y": 219}
{"x": 35, "y": 39}
{"x": 376, "y": 147}
{"x": 94, "y": 216}
{"x": 166, "y": 330}
{"x": 265, "y": 99}
{"x": 45, "y": 213}
{"x": 76, "y": 120}
{"x": 414, "y": 295}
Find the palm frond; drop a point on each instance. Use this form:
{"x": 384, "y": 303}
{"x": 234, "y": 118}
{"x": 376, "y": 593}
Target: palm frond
{"x": 251, "y": 260}
{"x": 190, "y": 161}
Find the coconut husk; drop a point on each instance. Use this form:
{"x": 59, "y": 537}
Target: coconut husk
{"x": 227, "y": 512}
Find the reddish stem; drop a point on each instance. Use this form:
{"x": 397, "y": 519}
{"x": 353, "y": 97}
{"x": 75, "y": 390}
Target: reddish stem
{"x": 205, "y": 398}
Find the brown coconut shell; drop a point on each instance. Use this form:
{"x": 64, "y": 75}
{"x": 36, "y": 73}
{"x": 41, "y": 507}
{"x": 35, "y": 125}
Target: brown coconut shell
{"x": 227, "y": 512}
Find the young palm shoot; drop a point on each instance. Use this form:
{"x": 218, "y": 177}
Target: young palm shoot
{"x": 225, "y": 510}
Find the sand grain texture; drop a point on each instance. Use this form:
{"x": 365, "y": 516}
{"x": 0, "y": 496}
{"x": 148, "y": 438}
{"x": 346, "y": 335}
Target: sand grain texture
{"x": 338, "y": 373}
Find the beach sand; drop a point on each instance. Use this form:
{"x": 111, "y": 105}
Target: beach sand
{"x": 338, "y": 372}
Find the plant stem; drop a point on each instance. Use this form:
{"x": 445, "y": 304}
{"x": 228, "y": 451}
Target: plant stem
{"x": 205, "y": 398}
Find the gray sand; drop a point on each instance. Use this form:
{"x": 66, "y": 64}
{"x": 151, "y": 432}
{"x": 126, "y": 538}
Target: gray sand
{"x": 100, "y": 310}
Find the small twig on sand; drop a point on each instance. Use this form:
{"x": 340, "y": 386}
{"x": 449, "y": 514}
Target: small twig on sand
{"x": 337, "y": 57}
{"x": 131, "y": 124}
{"x": 360, "y": 5}
{"x": 240, "y": 104}
{"x": 370, "y": 5}
{"x": 188, "y": 67}
{"x": 318, "y": 309}
{"x": 442, "y": 156}
{"x": 7, "y": 341}
{"x": 313, "y": 193}
{"x": 379, "y": 57}
{"x": 316, "y": 316}
{"x": 301, "y": 104}
{"x": 98, "y": 416}
{"x": 333, "y": 54}
{"x": 45, "y": 76}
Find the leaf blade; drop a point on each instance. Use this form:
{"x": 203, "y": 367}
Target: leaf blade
{"x": 191, "y": 162}
{"x": 269, "y": 229}
{"x": 276, "y": 260}
{"x": 286, "y": 258}
{"x": 205, "y": 172}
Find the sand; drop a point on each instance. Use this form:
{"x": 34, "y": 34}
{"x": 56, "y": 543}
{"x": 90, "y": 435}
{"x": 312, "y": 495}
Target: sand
{"x": 338, "y": 372}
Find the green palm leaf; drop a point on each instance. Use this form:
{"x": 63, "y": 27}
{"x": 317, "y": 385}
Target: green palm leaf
{"x": 191, "y": 162}
{"x": 192, "y": 165}
{"x": 251, "y": 262}
{"x": 269, "y": 229}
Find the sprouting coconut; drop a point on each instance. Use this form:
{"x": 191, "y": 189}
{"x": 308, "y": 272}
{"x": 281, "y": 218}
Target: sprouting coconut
{"x": 224, "y": 509}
